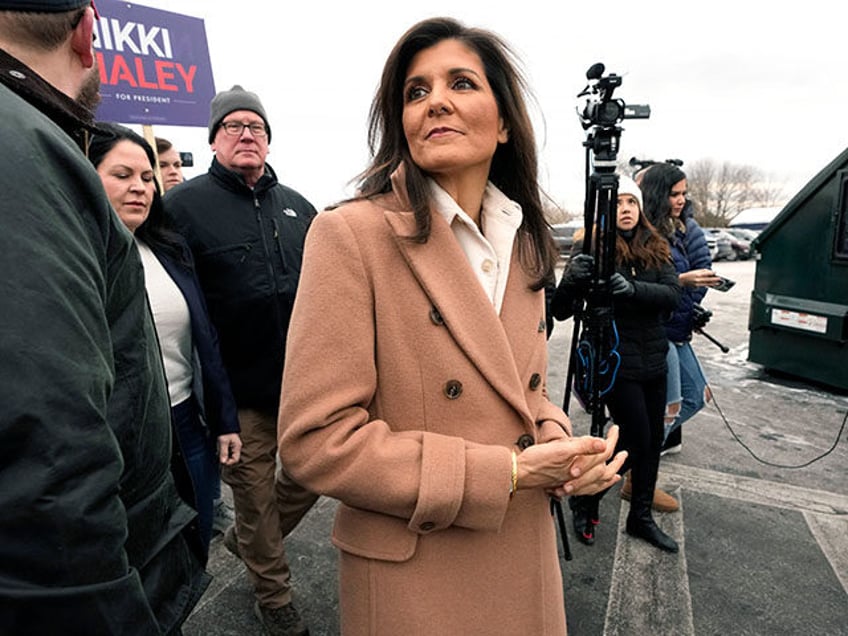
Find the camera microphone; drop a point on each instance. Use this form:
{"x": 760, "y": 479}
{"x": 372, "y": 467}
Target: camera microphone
{"x": 595, "y": 71}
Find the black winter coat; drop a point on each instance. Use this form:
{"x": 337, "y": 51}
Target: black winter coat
{"x": 247, "y": 245}
{"x": 639, "y": 319}
{"x": 93, "y": 536}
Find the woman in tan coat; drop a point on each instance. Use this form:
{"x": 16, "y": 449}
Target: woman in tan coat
{"x": 414, "y": 385}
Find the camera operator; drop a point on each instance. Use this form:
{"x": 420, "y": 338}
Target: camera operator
{"x": 644, "y": 290}
{"x": 664, "y": 190}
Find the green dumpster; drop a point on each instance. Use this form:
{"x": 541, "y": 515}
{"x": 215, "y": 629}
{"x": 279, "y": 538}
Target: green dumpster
{"x": 798, "y": 320}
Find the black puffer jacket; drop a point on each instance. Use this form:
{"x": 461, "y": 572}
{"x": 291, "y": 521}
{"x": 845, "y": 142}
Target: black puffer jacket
{"x": 93, "y": 536}
{"x": 639, "y": 319}
{"x": 247, "y": 245}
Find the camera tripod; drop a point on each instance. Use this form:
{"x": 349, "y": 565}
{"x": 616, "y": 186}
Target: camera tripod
{"x": 594, "y": 359}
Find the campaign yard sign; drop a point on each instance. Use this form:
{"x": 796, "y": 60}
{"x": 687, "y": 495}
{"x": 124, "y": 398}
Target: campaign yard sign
{"x": 154, "y": 66}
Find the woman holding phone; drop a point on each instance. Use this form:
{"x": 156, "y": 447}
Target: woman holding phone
{"x": 664, "y": 190}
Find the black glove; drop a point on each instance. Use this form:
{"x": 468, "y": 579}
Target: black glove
{"x": 580, "y": 268}
{"x": 620, "y": 286}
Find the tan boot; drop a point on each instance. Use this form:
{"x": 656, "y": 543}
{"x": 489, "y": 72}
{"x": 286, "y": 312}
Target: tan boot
{"x": 663, "y": 502}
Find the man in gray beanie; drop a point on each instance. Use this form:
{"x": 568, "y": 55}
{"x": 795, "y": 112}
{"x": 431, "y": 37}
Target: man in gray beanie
{"x": 234, "y": 99}
{"x": 246, "y": 231}
{"x": 94, "y": 538}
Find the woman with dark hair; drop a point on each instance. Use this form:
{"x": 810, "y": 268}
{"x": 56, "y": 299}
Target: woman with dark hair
{"x": 430, "y": 422}
{"x": 644, "y": 291}
{"x": 664, "y": 190}
{"x": 203, "y": 410}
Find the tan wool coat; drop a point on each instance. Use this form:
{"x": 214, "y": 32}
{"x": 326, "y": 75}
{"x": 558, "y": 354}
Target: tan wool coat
{"x": 403, "y": 395}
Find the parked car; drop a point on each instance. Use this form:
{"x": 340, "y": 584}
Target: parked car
{"x": 744, "y": 233}
{"x": 742, "y": 238}
{"x": 724, "y": 250}
{"x": 563, "y": 234}
{"x": 712, "y": 244}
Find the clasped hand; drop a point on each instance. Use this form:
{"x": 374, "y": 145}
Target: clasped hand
{"x": 572, "y": 466}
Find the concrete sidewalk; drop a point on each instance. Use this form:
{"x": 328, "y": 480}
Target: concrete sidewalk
{"x": 764, "y": 547}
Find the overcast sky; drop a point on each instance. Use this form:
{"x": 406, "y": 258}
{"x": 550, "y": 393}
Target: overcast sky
{"x": 744, "y": 81}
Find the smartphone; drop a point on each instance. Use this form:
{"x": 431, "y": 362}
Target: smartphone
{"x": 724, "y": 284}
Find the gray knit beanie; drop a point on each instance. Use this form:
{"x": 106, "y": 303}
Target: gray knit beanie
{"x": 234, "y": 99}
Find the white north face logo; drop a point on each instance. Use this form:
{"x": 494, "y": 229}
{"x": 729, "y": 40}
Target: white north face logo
{"x": 289, "y": 212}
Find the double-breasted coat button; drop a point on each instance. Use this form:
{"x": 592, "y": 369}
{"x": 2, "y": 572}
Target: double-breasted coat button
{"x": 525, "y": 441}
{"x": 535, "y": 381}
{"x": 427, "y": 526}
{"x": 436, "y": 317}
{"x": 453, "y": 389}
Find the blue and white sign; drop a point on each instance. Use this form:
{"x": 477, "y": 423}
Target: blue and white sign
{"x": 154, "y": 66}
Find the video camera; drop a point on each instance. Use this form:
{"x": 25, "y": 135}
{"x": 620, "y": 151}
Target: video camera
{"x": 601, "y": 109}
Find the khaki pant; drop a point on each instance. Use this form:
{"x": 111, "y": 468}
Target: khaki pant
{"x": 268, "y": 505}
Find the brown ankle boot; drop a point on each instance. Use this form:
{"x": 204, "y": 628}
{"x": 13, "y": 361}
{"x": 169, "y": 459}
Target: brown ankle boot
{"x": 663, "y": 502}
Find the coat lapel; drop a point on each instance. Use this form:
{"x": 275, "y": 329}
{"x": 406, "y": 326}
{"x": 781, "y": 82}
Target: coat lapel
{"x": 443, "y": 271}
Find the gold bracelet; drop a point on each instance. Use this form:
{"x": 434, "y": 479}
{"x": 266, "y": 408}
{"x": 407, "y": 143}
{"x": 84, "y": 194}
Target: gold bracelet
{"x": 514, "y": 485}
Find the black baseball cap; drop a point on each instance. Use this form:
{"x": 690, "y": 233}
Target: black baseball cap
{"x": 46, "y": 6}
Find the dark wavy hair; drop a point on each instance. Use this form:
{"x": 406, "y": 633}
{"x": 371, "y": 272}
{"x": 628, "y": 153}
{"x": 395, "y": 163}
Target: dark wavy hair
{"x": 514, "y": 168}
{"x": 155, "y": 231}
{"x": 656, "y": 187}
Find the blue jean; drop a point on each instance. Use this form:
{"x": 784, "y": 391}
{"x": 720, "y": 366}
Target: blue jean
{"x": 201, "y": 457}
{"x": 686, "y": 383}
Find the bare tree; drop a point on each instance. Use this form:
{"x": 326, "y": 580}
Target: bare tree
{"x": 719, "y": 191}
{"x": 700, "y": 177}
{"x": 732, "y": 192}
{"x": 768, "y": 194}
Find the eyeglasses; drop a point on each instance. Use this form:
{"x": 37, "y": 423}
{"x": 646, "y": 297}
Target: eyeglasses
{"x": 236, "y": 128}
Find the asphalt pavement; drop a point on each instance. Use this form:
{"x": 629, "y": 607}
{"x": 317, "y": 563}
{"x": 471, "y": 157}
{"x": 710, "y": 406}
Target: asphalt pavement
{"x": 763, "y": 523}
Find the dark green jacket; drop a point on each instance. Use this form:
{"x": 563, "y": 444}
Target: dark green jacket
{"x": 93, "y": 536}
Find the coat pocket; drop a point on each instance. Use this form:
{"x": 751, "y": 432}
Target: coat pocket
{"x": 372, "y": 535}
